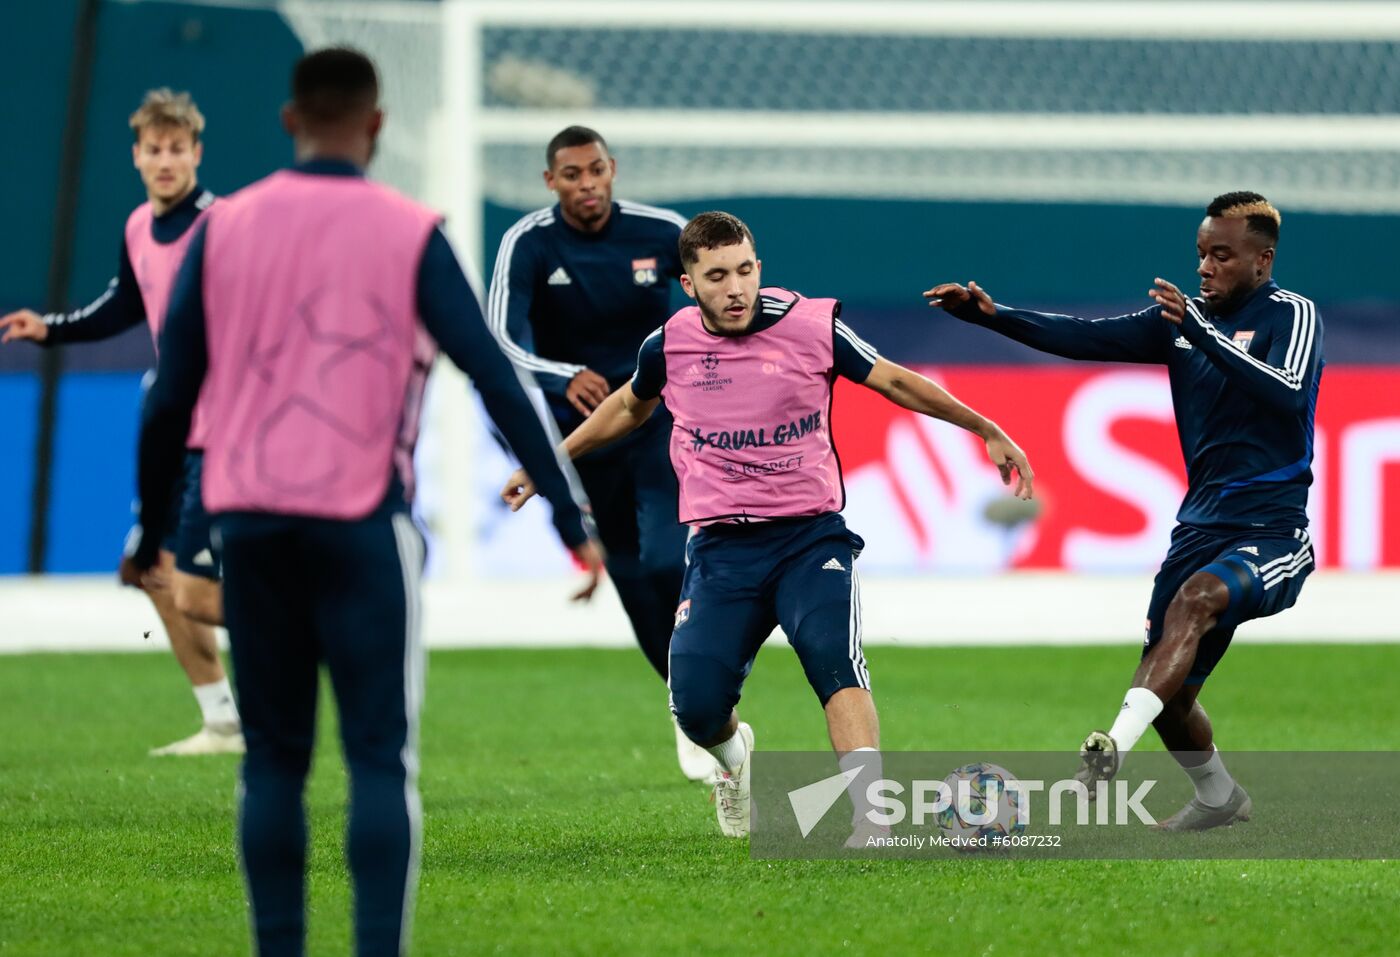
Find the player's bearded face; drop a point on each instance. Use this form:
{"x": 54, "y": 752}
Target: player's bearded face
{"x": 725, "y": 284}
{"x": 167, "y": 160}
{"x": 1231, "y": 265}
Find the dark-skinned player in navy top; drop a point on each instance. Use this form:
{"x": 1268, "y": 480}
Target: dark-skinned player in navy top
{"x": 576, "y": 288}
{"x": 1245, "y": 361}
{"x": 305, "y": 319}
{"x": 185, "y": 588}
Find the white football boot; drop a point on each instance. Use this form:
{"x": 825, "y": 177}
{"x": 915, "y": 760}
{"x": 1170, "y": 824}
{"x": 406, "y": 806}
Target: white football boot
{"x": 732, "y": 792}
{"x": 697, "y": 764}
{"x": 866, "y": 834}
{"x": 210, "y": 739}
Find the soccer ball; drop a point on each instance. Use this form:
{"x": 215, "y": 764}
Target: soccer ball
{"x": 962, "y": 821}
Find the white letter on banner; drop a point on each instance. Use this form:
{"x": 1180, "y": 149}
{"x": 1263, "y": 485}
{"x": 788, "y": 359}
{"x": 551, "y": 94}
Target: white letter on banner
{"x": 1148, "y": 487}
{"x": 1367, "y": 448}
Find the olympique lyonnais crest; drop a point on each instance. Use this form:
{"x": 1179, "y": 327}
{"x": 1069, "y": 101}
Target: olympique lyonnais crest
{"x": 682, "y": 613}
{"x": 644, "y": 272}
{"x": 1243, "y": 338}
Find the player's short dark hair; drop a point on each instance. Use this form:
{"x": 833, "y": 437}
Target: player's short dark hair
{"x": 569, "y": 137}
{"x": 334, "y": 84}
{"x": 710, "y": 231}
{"x": 1263, "y": 218}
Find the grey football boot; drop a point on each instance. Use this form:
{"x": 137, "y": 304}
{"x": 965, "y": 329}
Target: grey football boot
{"x": 1195, "y": 816}
{"x": 1099, "y": 760}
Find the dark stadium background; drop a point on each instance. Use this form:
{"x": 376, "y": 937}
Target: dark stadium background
{"x": 877, "y": 255}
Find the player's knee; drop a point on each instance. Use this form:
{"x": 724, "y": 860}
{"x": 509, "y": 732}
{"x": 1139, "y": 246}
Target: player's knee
{"x": 199, "y": 599}
{"x": 1203, "y": 598}
{"x": 276, "y": 756}
{"x": 703, "y": 719}
{"x": 702, "y": 701}
{"x": 185, "y": 602}
{"x": 163, "y": 599}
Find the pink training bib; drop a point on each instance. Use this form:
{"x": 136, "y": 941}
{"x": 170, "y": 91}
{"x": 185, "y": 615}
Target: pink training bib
{"x": 752, "y": 439}
{"x": 155, "y": 265}
{"x": 317, "y": 357}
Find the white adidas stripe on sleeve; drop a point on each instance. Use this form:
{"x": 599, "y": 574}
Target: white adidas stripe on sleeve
{"x": 498, "y": 303}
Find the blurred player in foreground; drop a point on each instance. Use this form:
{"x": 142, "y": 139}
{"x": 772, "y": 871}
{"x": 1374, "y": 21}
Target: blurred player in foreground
{"x": 184, "y": 585}
{"x": 577, "y": 287}
{"x": 747, "y": 373}
{"x": 309, "y": 309}
{"x": 1245, "y": 361}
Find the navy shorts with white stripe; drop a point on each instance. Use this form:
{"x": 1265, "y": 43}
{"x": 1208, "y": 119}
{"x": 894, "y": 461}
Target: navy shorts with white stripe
{"x": 743, "y": 580}
{"x": 1263, "y": 569}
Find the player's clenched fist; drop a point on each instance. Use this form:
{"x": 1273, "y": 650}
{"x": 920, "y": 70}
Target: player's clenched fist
{"x": 518, "y": 490}
{"x": 590, "y": 556}
{"x": 23, "y": 324}
{"x": 950, "y": 296}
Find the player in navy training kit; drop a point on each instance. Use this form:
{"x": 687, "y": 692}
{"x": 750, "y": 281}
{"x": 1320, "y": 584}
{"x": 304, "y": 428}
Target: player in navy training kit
{"x": 319, "y": 426}
{"x": 576, "y": 288}
{"x": 1245, "y": 361}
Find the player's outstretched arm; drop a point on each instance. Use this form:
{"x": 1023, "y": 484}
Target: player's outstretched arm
{"x": 1136, "y": 337}
{"x": 905, "y": 387}
{"x": 619, "y": 414}
{"x": 118, "y": 309}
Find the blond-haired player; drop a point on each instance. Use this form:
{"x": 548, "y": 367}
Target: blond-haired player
{"x": 184, "y": 587}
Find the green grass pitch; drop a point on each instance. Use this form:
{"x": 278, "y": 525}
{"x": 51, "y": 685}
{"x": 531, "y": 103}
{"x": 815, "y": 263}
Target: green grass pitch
{"x": 557, "y": 822}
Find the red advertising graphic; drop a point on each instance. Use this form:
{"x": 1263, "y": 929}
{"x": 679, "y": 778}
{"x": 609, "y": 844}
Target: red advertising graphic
{"x": 1108, "y": 470}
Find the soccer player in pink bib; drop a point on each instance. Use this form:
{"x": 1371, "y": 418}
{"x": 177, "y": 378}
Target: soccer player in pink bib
{"x": 185, "y": 586}
{"x": 747, "y": 374}
{"x": 306, "y": 317}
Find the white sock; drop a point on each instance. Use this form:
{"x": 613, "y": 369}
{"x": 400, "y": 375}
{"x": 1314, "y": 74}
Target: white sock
{"x": 1140, "y": 709}
{"x": 1213, "y": 783}
{"x": 730, "y": 754}
{"x": 216, "y": 702}
{"x": 872, "y": 769}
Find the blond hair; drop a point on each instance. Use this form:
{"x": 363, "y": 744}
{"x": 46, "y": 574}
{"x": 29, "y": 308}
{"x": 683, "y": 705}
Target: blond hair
{"x": 166, "y": 109}
{"x": 1263, "y": 217}
{"x": 1257, "y": 208}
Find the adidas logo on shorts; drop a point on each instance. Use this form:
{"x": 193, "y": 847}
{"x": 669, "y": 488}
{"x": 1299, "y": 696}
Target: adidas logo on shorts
{"x": 833, "y": 565}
